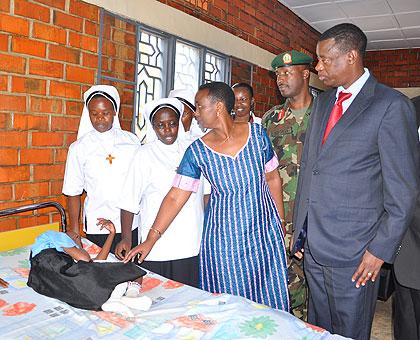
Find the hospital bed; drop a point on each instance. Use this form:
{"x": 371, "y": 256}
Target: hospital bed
{"x": 178, "y": 311}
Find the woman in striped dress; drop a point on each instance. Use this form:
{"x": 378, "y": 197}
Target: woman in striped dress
{"x": 242, "y": 250}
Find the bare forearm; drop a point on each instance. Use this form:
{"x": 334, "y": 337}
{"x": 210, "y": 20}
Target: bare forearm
{"x": 275, "y": 185}
{"x": 103, "y": 254}
{"x": 126, "y": 224}
{"x": 73, "y": 205}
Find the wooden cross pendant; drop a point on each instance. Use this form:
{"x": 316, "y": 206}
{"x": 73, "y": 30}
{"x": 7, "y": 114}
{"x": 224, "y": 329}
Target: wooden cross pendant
{"x": 110, "y": 158}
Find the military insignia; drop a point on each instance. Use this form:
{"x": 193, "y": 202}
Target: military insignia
{"x": 281, "y": 114}
{"x": 287, "y": 58}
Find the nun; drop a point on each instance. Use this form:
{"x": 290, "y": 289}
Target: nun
{"x": 189, "y": 123}
{"x": 98, "y": 163}
{"x": 175, "y": 255}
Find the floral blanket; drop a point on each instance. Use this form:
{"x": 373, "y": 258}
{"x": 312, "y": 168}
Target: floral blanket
{"x": 178, "y": 312}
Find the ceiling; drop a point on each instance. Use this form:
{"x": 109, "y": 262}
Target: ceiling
{"x": 388, "y": 24}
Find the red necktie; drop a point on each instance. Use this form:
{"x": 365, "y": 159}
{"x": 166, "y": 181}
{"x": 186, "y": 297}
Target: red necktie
{"x": 335, "y": 114}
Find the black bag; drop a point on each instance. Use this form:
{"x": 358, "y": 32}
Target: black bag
{"x": 85, "y": 285}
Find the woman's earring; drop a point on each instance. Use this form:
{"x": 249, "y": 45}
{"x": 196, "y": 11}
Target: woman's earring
{"x": 218, "y": 114}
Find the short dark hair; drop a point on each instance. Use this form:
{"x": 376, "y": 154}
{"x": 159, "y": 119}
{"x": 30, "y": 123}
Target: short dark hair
{"x": 347, "y": 37}
{"x": 244, "y": 86}
{"x": 219, "y": 91}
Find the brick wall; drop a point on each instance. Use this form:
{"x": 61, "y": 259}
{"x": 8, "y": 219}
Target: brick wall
{"x": 265, "y": 23}
{"x": 395, "y": 68}
{"x": 48, "y": 58}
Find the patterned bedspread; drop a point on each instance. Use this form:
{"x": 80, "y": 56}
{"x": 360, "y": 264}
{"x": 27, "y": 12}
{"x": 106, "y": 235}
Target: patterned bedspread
{"x": 178, "y": 312}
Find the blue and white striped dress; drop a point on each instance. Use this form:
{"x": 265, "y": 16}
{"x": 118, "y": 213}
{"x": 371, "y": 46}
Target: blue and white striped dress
{"x": 242, "y": 250}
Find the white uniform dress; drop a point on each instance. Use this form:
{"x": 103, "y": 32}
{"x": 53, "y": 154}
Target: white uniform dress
{"x": 98, "y": 164}
{"x": 155, "y": 168}
{"x": 88, "y": 168}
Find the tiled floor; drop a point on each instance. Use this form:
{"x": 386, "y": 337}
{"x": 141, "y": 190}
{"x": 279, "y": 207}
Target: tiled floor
{"x": 382, "y": 322}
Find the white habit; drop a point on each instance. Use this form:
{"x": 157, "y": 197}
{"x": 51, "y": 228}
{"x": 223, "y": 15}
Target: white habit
{"x": 98, "y": 163}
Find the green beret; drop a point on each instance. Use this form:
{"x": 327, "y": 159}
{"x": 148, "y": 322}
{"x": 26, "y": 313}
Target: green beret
{"x": 291, "y": 58}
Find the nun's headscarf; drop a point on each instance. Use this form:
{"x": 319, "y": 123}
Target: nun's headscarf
{"x": 107, "y": 91}
{"x": 186, "y": 96}
{"x": 154, "y": 106}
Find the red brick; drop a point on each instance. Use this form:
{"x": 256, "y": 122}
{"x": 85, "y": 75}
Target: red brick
{"x": 8, "y": 157}
{"x": 45, "y": 68}
{"x": 14, "y": 173}
{"x": 28, "y": 85}
{"x": 30, "y": 122}
{"x": 84, "y": 10}
{"x": 91, "y": 28}
{"x": 56, "y": 187}
{"x": 28, "y": 46}
{"x": 31, "y": 10}
{"x": 36, "y": 156}
{"x": 4, "y": 118}
{"x": 14, "y": 24}
{"x": 4, "y": 42}
{"x": 48, "y": 172}
{"x": 68, "y": 21}
{"x": 5, "y": 6}
{"x": 12, "y": 103}
{"x": 70, "y": 138}
{"x": 79, "y": 74}
{"x": 31, "y": 190}
{"x": 46, "y": 105}
{"x": 61, "y": 4}
{"x": 10, "y": 63}
{"x": 65, "y": 123}
{"x": 25, "y": 222}
{"x": 47, "y": 139}
{"x": 74, "y": 108}
{"x": 3, "y": 83}
{"x": 7, "y": 224}
{"x": 69, "y": 55}
{"x": 49, "y": 32}
{"x": 90, "y": 60}
{"x": 60, "y": 155}
{"x": 62, "y": 89}
{"x": 6, "y": 192}
{"x": 84, "y": 42}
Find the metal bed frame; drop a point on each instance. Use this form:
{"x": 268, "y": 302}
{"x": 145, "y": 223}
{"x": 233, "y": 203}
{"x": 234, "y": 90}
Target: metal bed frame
{"x": 36, "y": 206}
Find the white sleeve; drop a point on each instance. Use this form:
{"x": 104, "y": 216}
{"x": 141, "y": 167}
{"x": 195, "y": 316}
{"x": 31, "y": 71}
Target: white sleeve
{"x": 74, "y": 182}
{"x": 133, "y": 185}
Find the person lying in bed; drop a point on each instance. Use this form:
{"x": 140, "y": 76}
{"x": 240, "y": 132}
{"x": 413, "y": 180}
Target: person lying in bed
{"x": 61, "y": 269}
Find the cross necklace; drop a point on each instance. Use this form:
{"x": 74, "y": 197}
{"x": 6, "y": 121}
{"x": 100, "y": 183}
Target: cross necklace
{"x": 109, "y": 158}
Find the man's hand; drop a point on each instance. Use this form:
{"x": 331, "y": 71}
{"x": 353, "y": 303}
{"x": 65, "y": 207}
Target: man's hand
{"x": 298, "y": 254}
{"x": 122, "y": 248}
{"x": 368, "y": 269}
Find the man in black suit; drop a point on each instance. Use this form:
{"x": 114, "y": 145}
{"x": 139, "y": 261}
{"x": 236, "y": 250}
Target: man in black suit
{"x": 407, "y": 275}
{"x": 357, "y": 187}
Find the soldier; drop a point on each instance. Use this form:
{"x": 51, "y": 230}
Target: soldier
{"x": 286, "y": 126}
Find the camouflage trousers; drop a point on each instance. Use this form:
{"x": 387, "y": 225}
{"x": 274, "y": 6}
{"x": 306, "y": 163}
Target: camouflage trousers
{"x": 298, "y": 288}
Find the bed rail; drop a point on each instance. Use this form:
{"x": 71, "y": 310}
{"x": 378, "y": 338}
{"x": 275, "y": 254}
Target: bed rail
{"x": 36, "y": 206}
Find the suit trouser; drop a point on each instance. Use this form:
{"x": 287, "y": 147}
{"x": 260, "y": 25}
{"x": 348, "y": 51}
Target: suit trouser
{"x": 335, "y": 303}
{"x": 406, "y": 305}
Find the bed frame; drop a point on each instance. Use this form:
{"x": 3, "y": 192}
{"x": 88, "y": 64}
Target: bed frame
{"x": 22, "y": 237}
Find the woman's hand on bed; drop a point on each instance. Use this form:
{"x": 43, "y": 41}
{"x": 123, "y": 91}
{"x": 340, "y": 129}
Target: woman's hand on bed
{"x": 143, "y": 249}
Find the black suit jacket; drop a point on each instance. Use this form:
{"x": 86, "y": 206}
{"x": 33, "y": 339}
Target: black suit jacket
{"x": 407, "y": 263}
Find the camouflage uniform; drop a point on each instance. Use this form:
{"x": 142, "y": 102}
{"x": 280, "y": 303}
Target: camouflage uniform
{"x": 287, "y": 135}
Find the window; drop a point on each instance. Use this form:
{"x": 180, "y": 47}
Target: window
{"x": 165, "y": 62}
